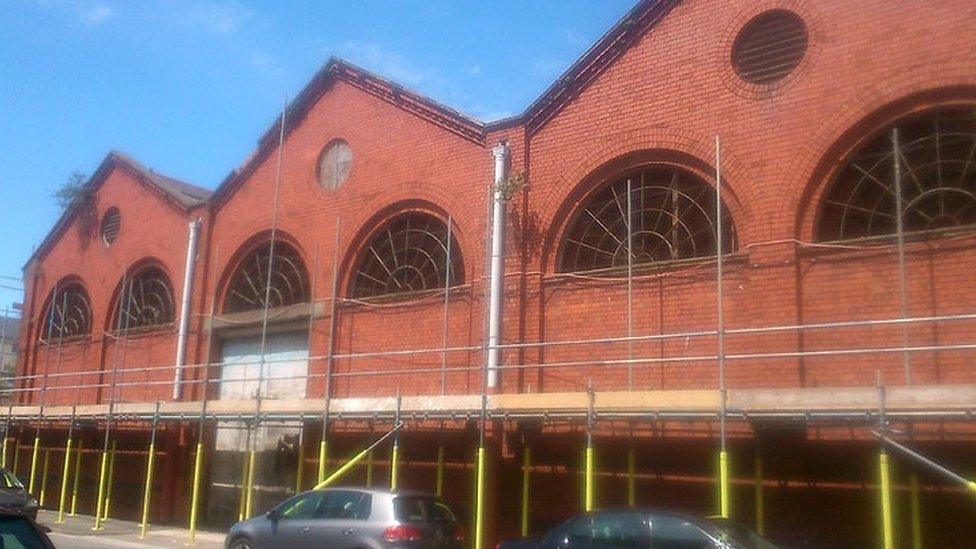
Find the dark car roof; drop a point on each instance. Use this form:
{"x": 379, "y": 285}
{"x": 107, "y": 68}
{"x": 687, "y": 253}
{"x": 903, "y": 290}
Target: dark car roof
{"x": 379, "y": 491}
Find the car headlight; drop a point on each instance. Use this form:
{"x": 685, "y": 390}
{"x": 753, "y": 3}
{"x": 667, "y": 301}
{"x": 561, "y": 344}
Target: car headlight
{"x": 31, "y": 502}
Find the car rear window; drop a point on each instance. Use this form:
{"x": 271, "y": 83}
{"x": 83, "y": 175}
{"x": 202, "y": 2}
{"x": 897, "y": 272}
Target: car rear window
{"x": 421, "y": 509}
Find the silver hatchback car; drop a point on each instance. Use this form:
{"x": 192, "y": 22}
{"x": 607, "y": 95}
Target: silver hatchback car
{"x": 351, "y": 518}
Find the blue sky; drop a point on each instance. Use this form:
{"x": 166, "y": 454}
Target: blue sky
{"x": 187, "y": 86}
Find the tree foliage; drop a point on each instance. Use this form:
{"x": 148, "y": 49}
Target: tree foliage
{"x": 72, "y": 192}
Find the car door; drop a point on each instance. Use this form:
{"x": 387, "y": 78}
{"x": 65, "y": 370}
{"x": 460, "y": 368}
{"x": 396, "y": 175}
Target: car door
{"x": 295, "y": 519}
{"x": 340, "y": 520}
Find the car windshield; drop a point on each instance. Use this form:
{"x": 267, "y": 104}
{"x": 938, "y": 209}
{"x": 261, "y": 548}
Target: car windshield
{"x": 421, "y": 509}
{"x": 8, "y": 480}
{"x": 726, "y": 530}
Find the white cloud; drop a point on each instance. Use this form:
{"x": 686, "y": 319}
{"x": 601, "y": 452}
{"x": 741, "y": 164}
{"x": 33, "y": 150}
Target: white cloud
{"x": 96, "y": 14}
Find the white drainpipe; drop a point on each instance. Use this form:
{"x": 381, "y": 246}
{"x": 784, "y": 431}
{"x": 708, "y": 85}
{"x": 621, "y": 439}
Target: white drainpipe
{"x": 191, "y": 253}
{"x": 497, "y": 290}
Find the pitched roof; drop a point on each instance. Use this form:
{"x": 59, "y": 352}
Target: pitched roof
{"x": 188, "y": 195}
{"x": 614, "y": 43}
{"x": 577, "y": 77}
{"x": 178, "y": 194}
{"x": 452, "y": 120}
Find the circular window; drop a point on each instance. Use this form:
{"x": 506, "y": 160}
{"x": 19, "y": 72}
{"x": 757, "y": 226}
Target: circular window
{"x": 111, "y": 225}
{"x": 334, "y": 164}
{"x": 769, "y": 47}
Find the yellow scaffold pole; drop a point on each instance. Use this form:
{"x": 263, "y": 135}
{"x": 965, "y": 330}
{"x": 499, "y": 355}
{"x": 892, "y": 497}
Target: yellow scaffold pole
{"x": 394, "y": 465}
{"x": 249, "y": 486}
{"x": 66, "y": 471}
{"x": 356, "y": 459}
{"x": 74, "y": 485}
{"x": 195, "y": 496}
{"x": 723, "y": 482}
{"x": 526, "y": 463}
{"x": 147, "y": 488}
{"x": 916, "y": 513}
{"x": 323, "y": 455}
{"x": 439, "y": 484}
{"x": 102, "y": 470}
{"x": 301, "y": 459}
{"x": 479, "y": 517}
{"x": 44, "y": 470}
{"x": 588, "y": 500}
{"x": 886, "y": 518}
{"x": 33, "y": 466}
{"x": 111, "y": 479}
{"x": 887, "y": 527}
{"x": 395, "y": 452}
{"x": 244, "y": 470}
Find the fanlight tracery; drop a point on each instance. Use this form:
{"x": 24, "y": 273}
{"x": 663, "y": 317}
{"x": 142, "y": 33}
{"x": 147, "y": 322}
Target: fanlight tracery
{"x": 671, "y": 217}
{"x": 935, "y": 154}
{"x": 249, "y": 288}
{"x": 68, "y": 314}
{"x": 147, "y": 299}
{"x": 410, "y": 253}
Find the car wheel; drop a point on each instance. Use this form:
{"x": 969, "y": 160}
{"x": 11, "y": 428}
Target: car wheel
{"x": 241, "y": 543}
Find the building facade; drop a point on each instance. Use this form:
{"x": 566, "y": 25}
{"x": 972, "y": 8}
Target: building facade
{"x": 342, "y": 276}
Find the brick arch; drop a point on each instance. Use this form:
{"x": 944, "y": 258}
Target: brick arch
{"x": 629, "y": 150}
{"x": 355, "y": 246}
{"x": 64, "y": 281}
{"x": 843, "y": 134}
{"x": 110, "y": 320}
{"x": 229, "y": 267}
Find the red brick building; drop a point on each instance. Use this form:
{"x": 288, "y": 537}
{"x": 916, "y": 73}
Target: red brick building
{"x": 846, "y": 134}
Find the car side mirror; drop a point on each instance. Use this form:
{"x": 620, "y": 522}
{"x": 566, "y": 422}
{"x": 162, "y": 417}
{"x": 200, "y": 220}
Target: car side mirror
{"x": 273, "y": 515}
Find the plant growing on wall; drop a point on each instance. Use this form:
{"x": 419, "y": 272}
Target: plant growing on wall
{"x": 511, "y": 186}
{"x": 75, "y": 194}
{"x": 73, "y": 191}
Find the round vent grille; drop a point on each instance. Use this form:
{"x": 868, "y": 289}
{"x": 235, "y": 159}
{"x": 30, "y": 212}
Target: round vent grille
{"x": 111, "y": 225}
{"x": 334, "y": 164}
{"x": 769, "y": 47}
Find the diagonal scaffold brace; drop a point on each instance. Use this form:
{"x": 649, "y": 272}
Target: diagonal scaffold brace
{"x": 357, "y": 458}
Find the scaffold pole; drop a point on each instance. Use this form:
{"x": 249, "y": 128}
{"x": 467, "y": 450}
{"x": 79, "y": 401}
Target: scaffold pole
{"x": 147, "y": 486}
{"x": 66, "y": 468}
{"x": 723, "y": 458}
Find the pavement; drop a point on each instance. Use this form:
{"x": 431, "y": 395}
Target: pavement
{"x": 76, "y": 532}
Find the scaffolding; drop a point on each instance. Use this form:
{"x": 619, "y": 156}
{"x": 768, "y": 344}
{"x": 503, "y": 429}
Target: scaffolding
{"x": 872, "y": 408}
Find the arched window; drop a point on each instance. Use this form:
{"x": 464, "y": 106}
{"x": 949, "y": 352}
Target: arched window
{"x": 408, "y": 254}
{"x": 249, "y": 287}
{"x": 672, "y": 216}
{"x": 68, "y": 313}
{"x": 148, "y": 298}
{"x": 936, "y": 155}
